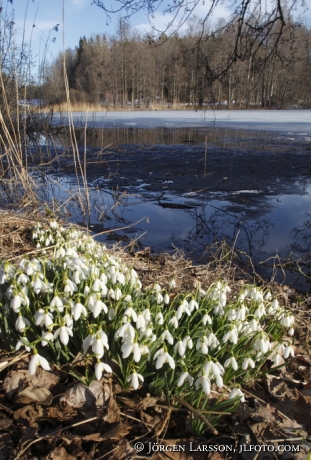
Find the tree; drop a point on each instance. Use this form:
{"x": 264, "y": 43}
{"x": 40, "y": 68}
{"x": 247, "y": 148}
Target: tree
{"x": 252, "y": 24}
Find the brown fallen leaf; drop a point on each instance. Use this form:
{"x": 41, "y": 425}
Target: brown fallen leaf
{"x": 102, "y": 390}
{"x": 17, "y": 380}
{"x": 79, "y": 397}
{"x": 113, "y": 411}
{"x": 59, "y": 453}
{"x": 6, "y": 446}
{"x": 147, "y": 402}
{"x": 34, "y": 395}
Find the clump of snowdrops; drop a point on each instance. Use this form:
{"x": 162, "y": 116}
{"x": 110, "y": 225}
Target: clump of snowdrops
{"x": 77, "y": 297}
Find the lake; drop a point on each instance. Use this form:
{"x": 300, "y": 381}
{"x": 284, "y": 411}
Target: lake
{"x": 183, "y": 180}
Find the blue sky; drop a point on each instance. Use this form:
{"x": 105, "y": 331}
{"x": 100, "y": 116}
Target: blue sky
{"x": 82, "y": 18}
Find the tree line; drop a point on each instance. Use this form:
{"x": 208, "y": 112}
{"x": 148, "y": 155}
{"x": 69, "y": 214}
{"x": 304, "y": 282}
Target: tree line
{"x": 190, "y": 69}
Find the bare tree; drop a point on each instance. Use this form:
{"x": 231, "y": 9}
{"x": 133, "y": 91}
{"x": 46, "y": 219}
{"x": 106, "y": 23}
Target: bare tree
{"x": 251, "y": 25}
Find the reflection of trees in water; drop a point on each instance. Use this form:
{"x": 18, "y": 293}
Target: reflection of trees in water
{"x": 247, "y": 236}
{"x": 300, "y": 256}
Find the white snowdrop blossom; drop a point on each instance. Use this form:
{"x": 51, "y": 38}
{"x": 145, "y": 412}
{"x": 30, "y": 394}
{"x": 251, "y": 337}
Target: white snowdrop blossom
{"x": 180, "y": 348}
{"x": 288, "y": 351}
{"x": 63, "y": 332}
{"x": 166, "y": 335}
{"x": 134, "y": 379}
{"x": 100, "y": 368}
{"x": 163, "y": 357}
{"x": 183, "y": 377}
{"x": 21, "y": 323}
{"x": 183, "y": 308}
{"x": 248, "y": 362}
{"x": 37, "y": 360}
{"x": 231, "y": 362}
{"x": 205, "y": 382}
{"x": 237, "y": 393}
{"x": 174, "y": 321}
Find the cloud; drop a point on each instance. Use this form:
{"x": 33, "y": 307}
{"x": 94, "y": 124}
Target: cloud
{"x": 80, "y": 4}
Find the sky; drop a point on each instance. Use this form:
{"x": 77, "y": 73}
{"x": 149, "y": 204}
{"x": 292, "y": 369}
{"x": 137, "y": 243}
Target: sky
{"x": 39, "y": 18}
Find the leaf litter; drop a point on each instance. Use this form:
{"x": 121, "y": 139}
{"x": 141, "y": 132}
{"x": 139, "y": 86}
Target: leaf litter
{"x": 53, "y": 416}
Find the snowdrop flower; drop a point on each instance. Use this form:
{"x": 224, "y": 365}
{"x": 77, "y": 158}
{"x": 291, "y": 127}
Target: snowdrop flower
{"x": 212, "y": 341}
{"x": 98, "y": 347}
{"x": 172, "y": 284}
{"x": 21, "y": 323}
{"x": 205, "y": 382}
{"x": 248, "y": 362}
{"x": 100, "y": 367}
{"x": 128, "y": 348}
{"x": 231, "y": 362}
{"x": 159, "y": 318}
{"x": 128, "y": 298}
{"x": 126, "y": 331}
{"x": 183, "y": 308}
{"x": 262, "y": 343}
{"x": 276, "y": 359}
{"x": 202, "y": 345}
{"x": 157, "y": 287}
{"x": 57, "y": 303}
{"x": 78, "y": 310}
{"x": 183, "y": 377}
{"x": 117, "y": 294}
{"x": 147, "y": 315}
{"x": 166, "y": 335}
{"x": 166, "y": 298}
{"x": 231, "y": 314}
{"x": 206, "y": 320}
{"x": 241, "y": 313}
{"x": 202, "y": 293}
{"x": 231, "y": 335}
{"x": 69, "y": 287}
{"x": 291, "y": 331}
{"x": 53, "y": 224}
{"x": 22, "y": 343}
{"x": 16, "y": 303}
{"x": 288, "y": 351}
{"x": 43, "y": 318}
{"x": 22, "y": 279}
{"x": 193, "y": 305}
{"x": 88, "y": 341}
{"x": 163, "y": 357}
{"x": 260, "y": 311}
{"x": 187, "y": 341}
{"x": 180, "y": 348}
{"x": 63, "y": 332}
{"x": 47, "y": 336}
{"x": 140, "y": 322}
{"x": 98, "y": 308}
{"x": 174, "y": 321}
{"x": 274, "y": 307}
{"x": 287, "y": 320}
{"x": 131, "y": 313}
{"x": 159, "y": 298}
{"x": 134, "y": 379}
{"x": 235, "y": 393}
{"x": 37, "y": 360}
{"x": 111, "y": 314}
{"x": 268, "y": 295}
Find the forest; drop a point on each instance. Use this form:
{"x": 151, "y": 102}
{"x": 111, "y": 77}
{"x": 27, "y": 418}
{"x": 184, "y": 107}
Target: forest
{"x": 201, "y": 67}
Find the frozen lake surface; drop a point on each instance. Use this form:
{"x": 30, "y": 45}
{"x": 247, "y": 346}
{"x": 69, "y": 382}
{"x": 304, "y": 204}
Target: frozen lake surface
{"x": 289, "y": 121}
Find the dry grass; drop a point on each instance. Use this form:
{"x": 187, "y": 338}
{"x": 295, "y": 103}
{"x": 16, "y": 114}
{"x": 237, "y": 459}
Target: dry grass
{"x": 92, "y": 107}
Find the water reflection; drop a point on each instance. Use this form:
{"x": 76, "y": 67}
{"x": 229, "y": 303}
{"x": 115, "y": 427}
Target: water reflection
{"x": 165, "y": 222}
